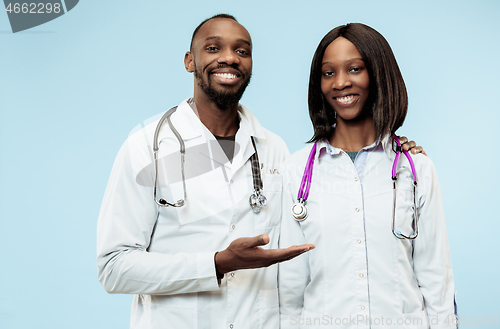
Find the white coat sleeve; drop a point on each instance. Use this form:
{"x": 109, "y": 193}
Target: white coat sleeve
{"x": 432, "y": 263}
{"x": 293, "y": 275}
{"x": 126, "y": 221}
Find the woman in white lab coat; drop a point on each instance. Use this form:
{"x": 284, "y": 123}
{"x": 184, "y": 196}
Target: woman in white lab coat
{"x": 361, "y": 274}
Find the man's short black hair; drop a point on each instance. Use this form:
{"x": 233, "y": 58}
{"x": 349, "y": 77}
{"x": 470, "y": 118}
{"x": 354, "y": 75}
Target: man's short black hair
{"x": 208, "y": 19}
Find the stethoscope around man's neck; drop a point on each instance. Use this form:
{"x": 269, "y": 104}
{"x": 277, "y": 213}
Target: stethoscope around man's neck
{"x": 257, "y": 199}
{"x": 299, "y": 209}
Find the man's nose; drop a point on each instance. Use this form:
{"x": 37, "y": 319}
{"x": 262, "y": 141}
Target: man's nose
{"x": 229, "y": 57}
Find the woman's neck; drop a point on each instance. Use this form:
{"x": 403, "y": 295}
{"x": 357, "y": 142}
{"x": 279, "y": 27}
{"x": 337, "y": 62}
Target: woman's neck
{"x": 353, "y": 135}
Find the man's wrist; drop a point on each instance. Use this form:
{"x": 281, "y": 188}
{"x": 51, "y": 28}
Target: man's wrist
{"x": 217, "y": 273}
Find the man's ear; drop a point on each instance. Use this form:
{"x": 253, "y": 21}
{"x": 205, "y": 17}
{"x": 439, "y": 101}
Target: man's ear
{"x": 189, "y": 62}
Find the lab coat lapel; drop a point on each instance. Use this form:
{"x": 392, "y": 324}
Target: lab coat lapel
{"x": 249, "y": 127}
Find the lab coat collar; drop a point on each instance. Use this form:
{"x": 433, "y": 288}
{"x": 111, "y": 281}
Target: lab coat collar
{"x": 249, "y": 127}
{"x": 186, "y": 121}
{"x": 249, "y": 122}
{"x": 387, "y": 143}
{"x": 189, "y": 127}
{"x": 325, "y": 147}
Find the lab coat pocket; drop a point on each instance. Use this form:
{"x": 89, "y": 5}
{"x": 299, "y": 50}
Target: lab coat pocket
{"x": 268, "y": 309}
{"x": 270, "y": 215}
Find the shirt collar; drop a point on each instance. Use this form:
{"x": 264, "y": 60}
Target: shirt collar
{"x": 324, "y": 147}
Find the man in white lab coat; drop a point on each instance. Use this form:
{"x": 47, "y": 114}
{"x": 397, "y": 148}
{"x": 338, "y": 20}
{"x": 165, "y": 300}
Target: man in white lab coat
{"x": 168, "y": 256}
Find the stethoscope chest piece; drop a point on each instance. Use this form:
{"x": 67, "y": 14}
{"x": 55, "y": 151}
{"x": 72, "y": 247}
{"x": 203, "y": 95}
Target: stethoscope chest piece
{"x": 299, "y": 211}
{"x": 257, "y": 201}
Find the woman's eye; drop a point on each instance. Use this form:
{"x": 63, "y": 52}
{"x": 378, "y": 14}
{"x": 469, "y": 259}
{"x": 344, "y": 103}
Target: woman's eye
{"x": 355, "y": 69}
{"x": 328, "y": 73}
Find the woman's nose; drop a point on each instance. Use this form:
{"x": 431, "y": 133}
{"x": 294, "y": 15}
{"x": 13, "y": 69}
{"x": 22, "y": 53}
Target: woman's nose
{"x": 341, "y": 81}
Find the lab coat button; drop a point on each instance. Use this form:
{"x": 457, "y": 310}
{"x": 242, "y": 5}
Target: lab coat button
{"x": 355, "y": 179}
{"x": 232, "y": 274}
{"x": 357, "y": 209}
{"x": 231, "y": 326}
{"x": 233, "y": 227}
{"x": 359, "y": 241}
{"x": 361, "y": 275}
{"x": 231, "y": 181}
{"x": 362, "y": 307}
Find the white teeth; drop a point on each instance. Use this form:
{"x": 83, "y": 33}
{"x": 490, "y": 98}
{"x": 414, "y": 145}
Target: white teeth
{"x": 345, "y": 99}
{"x": 226, "y": 75}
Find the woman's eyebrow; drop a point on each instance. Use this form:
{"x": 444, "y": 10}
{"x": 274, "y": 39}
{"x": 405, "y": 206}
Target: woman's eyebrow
{"x": 348, "y": 61}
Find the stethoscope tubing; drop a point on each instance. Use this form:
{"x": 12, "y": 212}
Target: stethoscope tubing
{"x": 398, "y": 234}
{"x": 307, "y": 177}
{"x": 257, "y": 199}
{"x": 299, "y": 209}
{"x": 396, "y": 160}
{"x": 156, "y": 147}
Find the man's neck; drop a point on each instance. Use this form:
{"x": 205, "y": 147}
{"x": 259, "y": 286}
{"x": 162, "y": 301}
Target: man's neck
{"x": 220, "y": 122}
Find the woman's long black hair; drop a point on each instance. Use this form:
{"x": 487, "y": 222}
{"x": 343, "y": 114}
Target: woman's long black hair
{"x": 387, "y": 100}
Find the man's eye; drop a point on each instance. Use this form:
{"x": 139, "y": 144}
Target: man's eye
{"x": 242, "y": 52}
{"x": 211, "y": 48}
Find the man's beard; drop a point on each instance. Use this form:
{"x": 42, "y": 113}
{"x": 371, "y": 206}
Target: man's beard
{"x": 223, "y": 99}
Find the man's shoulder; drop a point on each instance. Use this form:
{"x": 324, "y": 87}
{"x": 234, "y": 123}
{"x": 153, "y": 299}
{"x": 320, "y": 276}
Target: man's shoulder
{"x": 273, "y": 140}
{"x": 143, "y": 133}
{"x": 301, "y": 155}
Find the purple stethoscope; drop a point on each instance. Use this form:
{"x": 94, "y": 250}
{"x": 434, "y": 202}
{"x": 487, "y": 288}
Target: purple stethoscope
{"x": 299, "y": 209}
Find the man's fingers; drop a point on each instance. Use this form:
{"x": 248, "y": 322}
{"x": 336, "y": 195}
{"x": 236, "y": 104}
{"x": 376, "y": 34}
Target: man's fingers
{"x": 259, "y": 240}
{"x": 403, "y": 139}
{"x": 409, "y": 145}
{"x": 416, "y": 150}
{"x": 279, "y": 255}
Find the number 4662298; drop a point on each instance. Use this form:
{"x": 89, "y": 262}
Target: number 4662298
{"x": 33, "y": 8}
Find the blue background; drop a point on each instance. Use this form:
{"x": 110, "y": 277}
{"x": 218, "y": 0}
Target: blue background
{"x": 72, "y": 89}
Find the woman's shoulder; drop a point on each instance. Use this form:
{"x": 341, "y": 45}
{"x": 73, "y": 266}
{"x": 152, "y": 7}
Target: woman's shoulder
{"x": 299, "y": 156}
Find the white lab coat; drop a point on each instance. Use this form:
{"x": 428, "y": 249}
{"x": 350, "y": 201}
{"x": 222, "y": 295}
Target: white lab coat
{"x": 165, "y": 256}
{"x": 359, "y": 269}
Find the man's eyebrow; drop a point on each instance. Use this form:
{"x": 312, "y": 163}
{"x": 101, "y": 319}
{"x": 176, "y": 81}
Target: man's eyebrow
{"x": 348, "y": 61}
{"x": 215, "y": 37}
{"x": 245, "y": 41}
